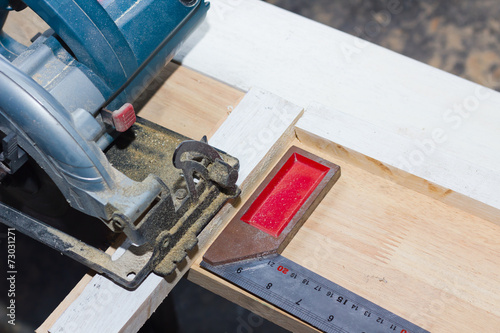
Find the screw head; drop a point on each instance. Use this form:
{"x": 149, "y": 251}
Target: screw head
{"x": 181, "y": 194}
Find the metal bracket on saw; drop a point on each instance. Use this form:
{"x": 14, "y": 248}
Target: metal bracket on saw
{"x": 197, "y": 180}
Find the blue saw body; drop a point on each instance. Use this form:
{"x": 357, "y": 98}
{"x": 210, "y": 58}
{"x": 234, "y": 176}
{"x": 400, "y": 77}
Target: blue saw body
{"x": 97, "y": 54}
{"x": 111, "y": 39}
{"x": 63, "y": 100}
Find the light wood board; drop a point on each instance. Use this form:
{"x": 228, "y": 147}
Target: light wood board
{"x": 415, "y": 255}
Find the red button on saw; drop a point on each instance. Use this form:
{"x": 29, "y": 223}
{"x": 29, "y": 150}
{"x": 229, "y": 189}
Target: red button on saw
{"x": 124, "y": 117}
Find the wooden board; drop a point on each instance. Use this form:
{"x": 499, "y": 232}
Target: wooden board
{"x": 373, "y": 234}
{"x": 419, "y": 257}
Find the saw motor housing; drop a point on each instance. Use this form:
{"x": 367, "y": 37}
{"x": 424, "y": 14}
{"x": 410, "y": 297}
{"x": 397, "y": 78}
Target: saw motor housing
{"x": 64, "y": 102}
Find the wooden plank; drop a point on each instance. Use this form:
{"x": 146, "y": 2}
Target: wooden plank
{"x": 68, "y": 300}
{"x": 428, "y": 261}
{"x": 272, "y": 120}
{"x": 73, "y": 295}
{"x": 187, "y": 102}
{"x": 304, "y": 62}
{"x": 446, "y": 177}
{"x": 24, "y": 25}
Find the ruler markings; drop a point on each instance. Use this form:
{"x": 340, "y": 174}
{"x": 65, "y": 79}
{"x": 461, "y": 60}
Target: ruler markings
{"x": 286, "y": 304}
{"x": 310, "y": 297}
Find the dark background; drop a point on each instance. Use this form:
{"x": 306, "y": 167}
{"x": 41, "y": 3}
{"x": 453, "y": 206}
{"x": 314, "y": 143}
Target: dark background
{"x": 460, "y": 37}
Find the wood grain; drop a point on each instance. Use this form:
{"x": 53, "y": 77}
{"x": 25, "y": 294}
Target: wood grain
{"x": 187, "y": 102}
{"x": 422, "y": 259}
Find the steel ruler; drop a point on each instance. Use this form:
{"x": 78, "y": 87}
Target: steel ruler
{"x": 310, "y": 297}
